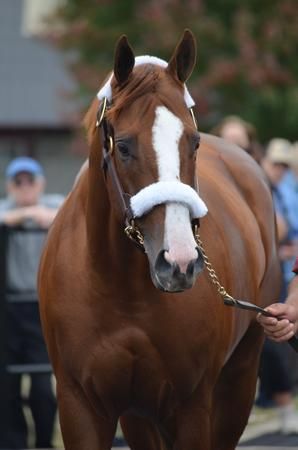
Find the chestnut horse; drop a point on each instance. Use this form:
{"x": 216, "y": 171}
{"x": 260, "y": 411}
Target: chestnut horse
{"x": 140, "y": 336}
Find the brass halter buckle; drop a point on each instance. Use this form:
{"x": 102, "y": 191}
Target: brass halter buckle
{"x": 111, "y": 145}
{"x": 134, "y": 233}
{"x": 101, "y": 112}
{"x": 193, "y": 117}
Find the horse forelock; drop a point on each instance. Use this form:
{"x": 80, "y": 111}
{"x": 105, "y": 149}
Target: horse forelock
{"x": 146, "y": 79}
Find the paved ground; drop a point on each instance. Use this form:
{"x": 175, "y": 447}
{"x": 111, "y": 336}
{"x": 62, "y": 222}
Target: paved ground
{"x": 260, "y": 434}
{"x": 240, "y": 448}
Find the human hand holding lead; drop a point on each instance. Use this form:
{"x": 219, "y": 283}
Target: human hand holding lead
{"x": 283, "y": 325}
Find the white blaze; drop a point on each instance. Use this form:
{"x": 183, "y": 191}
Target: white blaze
{"x": 166, "y": 134}
{"x": 178, "y": 239}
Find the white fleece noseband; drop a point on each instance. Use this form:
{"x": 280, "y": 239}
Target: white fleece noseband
{"x": 106, "y": 90}
{"x": 166, "y": 192}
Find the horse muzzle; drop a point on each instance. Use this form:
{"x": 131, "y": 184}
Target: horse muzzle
{"x": 168, "y": 276}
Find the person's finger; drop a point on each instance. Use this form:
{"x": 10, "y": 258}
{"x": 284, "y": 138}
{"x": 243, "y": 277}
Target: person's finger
{"x": 277, "y": 309}
{"x": 283, "y": 331}
{"x": 280, "y": 324}
{"x": 264, "y": 320}
{"x": 279, "y": 328}
{"x": 283, "y": 338}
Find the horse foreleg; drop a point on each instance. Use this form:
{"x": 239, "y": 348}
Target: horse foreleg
{"x": 193, "y": 420}
{"x": 81, "y": 425}
{"x": 141, "y": 434}
{"x": 235, "y": 391}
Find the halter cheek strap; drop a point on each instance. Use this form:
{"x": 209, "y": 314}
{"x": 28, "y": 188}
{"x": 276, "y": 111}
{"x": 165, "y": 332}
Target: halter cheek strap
{"x": 108, "y": 165}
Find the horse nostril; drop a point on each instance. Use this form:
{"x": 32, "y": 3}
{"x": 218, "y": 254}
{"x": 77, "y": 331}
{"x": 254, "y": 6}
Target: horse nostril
{"x": 196, "y": 265}
{"x": 190, "y": 268}
{"x": 162, "y": 266}
{"x": 169, "y": 276}
{"x": 199, "y": 262}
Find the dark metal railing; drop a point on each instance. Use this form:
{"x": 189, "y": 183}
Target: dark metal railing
{"x": 9, "y": 369}
{"x": 15, "y": 297}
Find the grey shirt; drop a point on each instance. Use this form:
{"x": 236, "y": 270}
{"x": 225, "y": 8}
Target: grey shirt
{"x": 24, "y": 248}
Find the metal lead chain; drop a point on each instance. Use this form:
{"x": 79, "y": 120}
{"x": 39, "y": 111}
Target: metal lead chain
{"x": 211, "y": 272}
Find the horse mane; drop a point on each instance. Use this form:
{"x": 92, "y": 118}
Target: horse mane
{"x": 145, "y": 79}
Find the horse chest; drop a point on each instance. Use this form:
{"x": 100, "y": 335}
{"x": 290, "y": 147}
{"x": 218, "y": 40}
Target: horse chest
{"x": 147, "y": 371}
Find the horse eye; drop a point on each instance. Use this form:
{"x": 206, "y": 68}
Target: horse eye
{"x": 123, "y": 149}
{"x": 195, "y": 143}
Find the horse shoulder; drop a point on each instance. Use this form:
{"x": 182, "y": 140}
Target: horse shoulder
{"x": 247, "y": 176}
{"x": 250, "y": 181}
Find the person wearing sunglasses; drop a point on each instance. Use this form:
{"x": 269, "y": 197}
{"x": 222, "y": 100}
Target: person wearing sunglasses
{"x": 27, "y": 207}
{"x": 25, "y": 184}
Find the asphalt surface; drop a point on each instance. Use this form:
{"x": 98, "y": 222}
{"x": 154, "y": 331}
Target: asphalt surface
{"x": 240, "y": 448}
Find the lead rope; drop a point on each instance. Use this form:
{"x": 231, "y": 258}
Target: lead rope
{"x": 211, "y": 272}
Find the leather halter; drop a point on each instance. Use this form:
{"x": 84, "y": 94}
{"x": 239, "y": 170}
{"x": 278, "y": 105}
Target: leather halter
{"x": 108, "y": 166}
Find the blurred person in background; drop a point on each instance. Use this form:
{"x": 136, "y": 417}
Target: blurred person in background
{"x": 239, "y": 132}
{"x": 289, "y": 191}
{"x": 276, "y": 382}
{"x": 26, "y": 205}
{"x": 275, "y": 164}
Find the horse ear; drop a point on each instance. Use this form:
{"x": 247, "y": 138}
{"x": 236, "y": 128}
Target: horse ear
{"x": 183, "y": 59}
{"x": 124, "y": 60}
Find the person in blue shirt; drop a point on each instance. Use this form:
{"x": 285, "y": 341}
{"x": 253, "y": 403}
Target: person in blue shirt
{"x": 276, "y": 384}
{"x": 26, "y": 205}
{"x": 288, "y": 188}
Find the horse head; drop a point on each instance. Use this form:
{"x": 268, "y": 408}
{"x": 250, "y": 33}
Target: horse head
{"x": 150, "y": 143}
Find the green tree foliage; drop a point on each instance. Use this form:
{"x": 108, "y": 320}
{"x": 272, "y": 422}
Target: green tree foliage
{"x": 247, "y": 52}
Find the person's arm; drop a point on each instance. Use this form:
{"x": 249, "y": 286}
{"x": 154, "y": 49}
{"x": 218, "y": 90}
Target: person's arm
{"x": 45, "y": 213}
{"x": 282, "y": 330}
{"x": 15, "y": 216}
{"x": 43, "y": 216}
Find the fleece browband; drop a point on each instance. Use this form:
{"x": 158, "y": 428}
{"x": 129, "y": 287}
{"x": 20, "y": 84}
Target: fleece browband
{"x": 164, "y": 192}
{"x": 106, "y": 90}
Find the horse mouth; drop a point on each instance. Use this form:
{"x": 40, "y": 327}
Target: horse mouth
{"x": 168, "y": 277}
{"x": 170, "y": 287}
